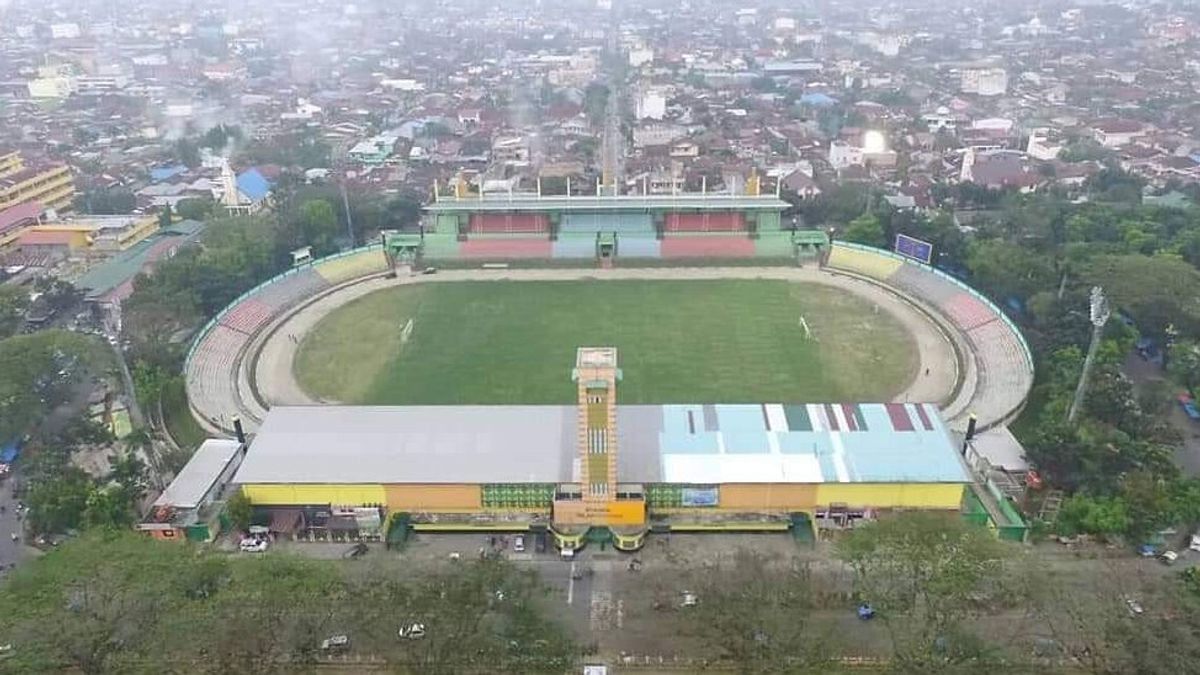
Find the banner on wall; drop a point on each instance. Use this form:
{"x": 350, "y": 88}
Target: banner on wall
{"x": 699, "y": 496}
{"x": 911, "y": 247}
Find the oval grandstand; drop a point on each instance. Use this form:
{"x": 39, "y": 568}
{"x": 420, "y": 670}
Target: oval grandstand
{"x": 994, "y": 373}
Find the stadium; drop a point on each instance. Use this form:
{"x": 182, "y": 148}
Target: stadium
{"x": 701, "y": 438}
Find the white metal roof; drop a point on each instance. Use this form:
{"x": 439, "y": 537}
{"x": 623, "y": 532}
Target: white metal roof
{"x": 199, "y": 474}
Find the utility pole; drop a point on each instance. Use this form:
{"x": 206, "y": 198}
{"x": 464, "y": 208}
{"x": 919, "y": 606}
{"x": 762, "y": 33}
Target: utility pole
{"x": 1098, "y": 314}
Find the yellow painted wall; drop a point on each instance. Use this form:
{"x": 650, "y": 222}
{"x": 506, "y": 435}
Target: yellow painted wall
{"x": 767, "y": 497}
{"x": 891, "y": 495}
{"x": 433, "y": 497}
{"x": 315, "y": 493}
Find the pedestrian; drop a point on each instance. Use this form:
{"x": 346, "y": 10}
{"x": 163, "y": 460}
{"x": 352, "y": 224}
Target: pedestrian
{"x": 14, "y": 536}
{"x": 926, "y": 372}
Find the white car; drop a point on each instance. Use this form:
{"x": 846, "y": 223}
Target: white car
{"x": 412, "y": 631}
{"x": 1194, "y": 543}
{"x": 1168, "y": 557}
{"x": 335, "y": 643}
{"x": 519, "y": 544}
{"x": 689, "y": 599}
{"x": 250, "y": 545}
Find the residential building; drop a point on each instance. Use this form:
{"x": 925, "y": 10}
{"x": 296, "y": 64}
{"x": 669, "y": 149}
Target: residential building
{"x": 53, "y": 185}
{"x": 652, "y": 105}
{"x": 984, "y": 81}
{"x": 1115, "y": 133}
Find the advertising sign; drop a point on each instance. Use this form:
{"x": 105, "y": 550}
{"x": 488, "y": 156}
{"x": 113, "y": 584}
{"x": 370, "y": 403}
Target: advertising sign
{"x": 916, "y": 249}
{"x": 699, "y": 496}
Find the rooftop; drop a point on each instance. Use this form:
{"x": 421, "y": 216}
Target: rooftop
{"x": 532, "y": 202}
{"x": 200, "y": 474}
{"x": 691, "y": 444}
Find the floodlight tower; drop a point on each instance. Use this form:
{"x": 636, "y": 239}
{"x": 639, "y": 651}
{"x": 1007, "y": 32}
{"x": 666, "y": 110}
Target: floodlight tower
{"x": 1099, "y": 313}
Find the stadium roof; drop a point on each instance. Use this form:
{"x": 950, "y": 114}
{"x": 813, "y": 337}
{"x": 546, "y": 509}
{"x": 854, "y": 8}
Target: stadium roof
{"x": 689, "y": 444}
{"x": 199, "y": 475}
{"x": 532, "y": 202}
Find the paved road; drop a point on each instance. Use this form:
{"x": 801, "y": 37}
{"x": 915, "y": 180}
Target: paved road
{"x": 11, "y": 552}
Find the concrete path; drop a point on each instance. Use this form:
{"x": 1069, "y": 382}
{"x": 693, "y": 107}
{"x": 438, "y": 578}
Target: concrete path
{"x": 934, "y": 380}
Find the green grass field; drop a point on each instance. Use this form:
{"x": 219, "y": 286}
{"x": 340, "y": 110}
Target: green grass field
{"x": 679, "y": 342}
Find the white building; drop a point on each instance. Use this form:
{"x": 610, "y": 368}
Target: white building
{"x": 652, "y": 105}
{"x": 1042, "y": 146}
{"x": 984, "y": 81}
{"x": 98, "y": 84}
{"x": 59, "y": 86}
{"x": 640, "y": 57}
{"x": 657, "y": 134}
{"x": 402, "y": 84}
{"x": 842, "y": 155}
{"x": 64, "y": 31}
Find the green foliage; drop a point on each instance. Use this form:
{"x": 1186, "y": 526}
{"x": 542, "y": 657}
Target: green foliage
{"x": 220, "y": 136}
{"x": 14, "y": 301}
{"x": 1184, "y": 364}
{"x": 39, "y": 370}
{"x": 195, "y": 208}
{"x": 1083, "y": 150}
{"x": 317, "y": 226}
{"x": 106, "y": 202}
{"x": 187, "y": 152}
{"x": 239, "y": 510}
{"x": 1157, "y": 291}
{"x": 1104, "y": 516}
{"x": 1006, "y": 269}
{"x": 866, "y": 229}
{"x": 114, "y": 601}
{"x": 926, "y": 574}
{"x": 595, "y": 102}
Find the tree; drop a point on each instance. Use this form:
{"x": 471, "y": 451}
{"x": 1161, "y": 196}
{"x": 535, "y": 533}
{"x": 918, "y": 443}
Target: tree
{"x": 753, "y": 612}
{"x": 1157, "y": 291}
{"x": 926, "y": 574}
{"x": 14, "y": 301}
{"x": 1184, "y": 364}
{"x": 164, "y": 217}
{"x": 1008, "y": 270}
{"x": 316, "y": 226}
{"x": 195, "y": 208}
{"x": 239, "y": 509}
{"x": 1103, "y": 516}
{"x": 57, "y": 504}
{"x": 866, "y": 229}
{"x": 39, "y": 370}
{"x": 187, "y": 152}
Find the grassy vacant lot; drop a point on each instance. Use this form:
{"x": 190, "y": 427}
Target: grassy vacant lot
{"x": 679, "y": 341}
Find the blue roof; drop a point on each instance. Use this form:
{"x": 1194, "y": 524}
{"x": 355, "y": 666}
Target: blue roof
{"x": 254, "y": 185}
{"x": 10, "y": 452}
{"x": 164, "y": 172}
{"x": 807, "y": 443}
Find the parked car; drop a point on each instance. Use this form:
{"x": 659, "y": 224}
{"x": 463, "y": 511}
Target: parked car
{"x": 689, "y": 599}
{"x": 1168, "y": 557}
{"x": 539, "y": 542}
{"x": 865, "y": 611}
{"x": 1194, "y": 542}
{"x": 567, "y": 553}
{"x": 251, "y": 545}
{"x": 519, "y": 544}
{"x": 412, "y": 631}
{"x": 335, "y": 643}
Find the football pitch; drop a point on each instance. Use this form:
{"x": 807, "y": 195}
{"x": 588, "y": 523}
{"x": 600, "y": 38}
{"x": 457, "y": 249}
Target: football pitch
{"x": 514, "y": 342}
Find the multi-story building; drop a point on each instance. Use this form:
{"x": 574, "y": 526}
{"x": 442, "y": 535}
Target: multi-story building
{"x": 52, "y": 185}
{"x": 984, "y": 81}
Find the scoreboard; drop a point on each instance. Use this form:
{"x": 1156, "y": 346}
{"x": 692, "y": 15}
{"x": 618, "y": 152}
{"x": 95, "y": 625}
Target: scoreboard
{"x": 911, "y": 247}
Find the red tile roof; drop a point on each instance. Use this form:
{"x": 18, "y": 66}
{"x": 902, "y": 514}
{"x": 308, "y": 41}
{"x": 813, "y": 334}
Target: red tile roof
{"x": 21, "y": 214}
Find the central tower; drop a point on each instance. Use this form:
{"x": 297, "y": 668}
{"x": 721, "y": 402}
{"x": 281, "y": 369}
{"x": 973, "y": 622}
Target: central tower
{"x": 596, "y": 505}
{"x": 596, "y": 375}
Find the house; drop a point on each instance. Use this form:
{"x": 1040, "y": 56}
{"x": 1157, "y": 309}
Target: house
{"x": 685, "y": 149}
{"x": 374, "y": 151}
{"x": 998, "y": 169}
{"x": 802, "y": 184}
{"x": 246, "y": 193}
{"x": 189, "y": 509}
{"x": 1115, "y": 133}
